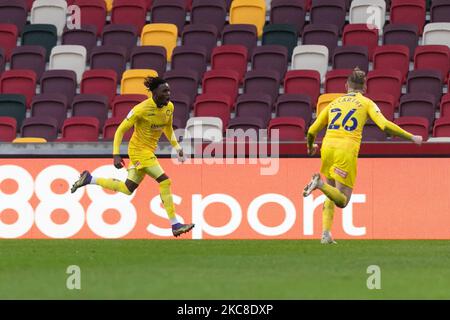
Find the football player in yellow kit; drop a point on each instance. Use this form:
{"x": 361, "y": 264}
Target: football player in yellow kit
{"x": 345, "y": 118}
{"x": 150, "y": 118}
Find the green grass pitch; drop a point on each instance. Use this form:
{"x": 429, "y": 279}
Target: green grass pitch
{"x": 224, "y": 269}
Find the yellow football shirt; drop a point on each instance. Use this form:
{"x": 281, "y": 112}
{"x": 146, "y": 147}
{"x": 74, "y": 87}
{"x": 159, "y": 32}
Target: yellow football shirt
{"x": 149, "y": 123}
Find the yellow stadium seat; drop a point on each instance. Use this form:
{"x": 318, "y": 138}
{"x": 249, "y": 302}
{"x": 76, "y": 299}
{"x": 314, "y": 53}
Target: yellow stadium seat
{"x": 249, "y": 12}
{"x": 325, "y": 99}
{"x": 29, "y": 140}
{"x": 109, "y": 4}
{"x": 133, "y": 81}
{"x": 160, "y": 34}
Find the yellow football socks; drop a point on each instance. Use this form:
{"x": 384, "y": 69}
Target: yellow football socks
{"x": 166, "y": 197}
{"x": 113, "y": 184}
{"x": 334, "y": 194}
{"x": 327, "y": 215}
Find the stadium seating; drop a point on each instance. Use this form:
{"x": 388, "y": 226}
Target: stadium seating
{"x": 50, "y": 12}
{"x": 213, "y": 105}
{"x": 425, "y": 81}
{"x": 392, "y": 57}
{"x": 44, "y": 35}
{"x": 385, "y": 102}
{"x": 14, "y": 106}
{"x": 221, "y": 81}
{"x": 69, "y": 57}
{"x": 289, "y": 128}
{"x": 371, "y": 132}
{"x": 81, "y": 129}
{"x": 129, "y": 12}
{"x": 19, "y": 82}
{"x": 240, "y": 125}
{"x": 368, "y": 11}
{"x": 280, "y": 34}
{"x": 183, "y": 82}
{"x": 149, "y": 57}
{"x": 120, "y": 35}
{"x": 110, "y": 57}
{"x": 349, "y": 57}
{"x": 262, "y": 81}
{"x": 29, "y": 57}
{"x": 408, "y": 12}
{"x": 8, "y": 128}
{"x": 169, "y": 11}
{"x": 230, "y": 57}
{"x": 14, "y": 12}
{"x": 321, "y": 34}
{"x": 445, "y": 106}
{"x": 122, "y": 104}
{"x": 402, "y": 34}
{"x": 93, "y": 12}
{"x": 442, "y": 127}
{"x": 160, "y": 34}
{"x": 133, "y": 81}
{"x": 61, "y": 81}
{"x": 249, "y": 12}
{"x": 303, "y": 82}
{"x": 256, "y": 105}
{"x": 40, "y": 127}
{"x": 440, "y": 11}
{"x": 100, "y": 81}
{"x": 86, "y": 36}
{"x": 110, "y": 128}
{"x": 204, "y": 128}
{"x": 204, "y": 35}
{"x": 209, "y": 12}
{"x": 387, "y": 81}
{"x": 91, "y": 105}
{"x": 182, "y": 109}
{"x": 270, "y": 57}
{"x": 361, "y": 35}
{"x": 328, "y": 12}
{"x": 336, "y": 79}
{"x": 241, "y": 34}
{"x": 190, "y": 57}
{"x": 50, "y": 105}
{"x": 436, "y": 57}
{"x": 415, "y": 125}
{"x": 294, "y": 105}
{"x": 8, "y": 38}
{"x": 418, "y": 105}
{"x": 291, "y": 12}
{"x": 311, "y": 57}
{"x": 437, "y": 33}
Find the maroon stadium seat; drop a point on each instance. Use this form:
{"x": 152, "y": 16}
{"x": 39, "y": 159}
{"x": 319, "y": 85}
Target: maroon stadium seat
{"x": 8, "y": 129}
{"x": 129, "y": 12}
{"x": 19, "y": 82}
{"x": 254, "y": 105}
{"x": 91, "y": 105}
{"x": 402, "y": 34}
{"x": 190, "y": 57}
{"x": 8, "y": 38}
{"x": 181, "y": 111}
{"x": 392, "y": 57}
{"x": 14, "y": 12}
{"x": 204, "y": 35}
{"x": 418, "y": 105}
{"x": 445, "y": 106}
{"x": 435, "y": 57}
{"x": 183, "y": 82}
{"x": 291, "y": 12}
{"x": 408, "y": 12}
{"x": 322, "y": 34}
{"x": 442, "y": 127}
{"x": 120, "y": 35}
{"x": 361, "y": 35}
{"x": 221, "y": 81}
{"x": 349, "y": 57}
{"x": 241, "y": 34}
{"x": 93, "y": 12}
{"x": 270, "y": 57}
{"x": 109, "y": 57}
{"x": 62, "y": 81}
{"x": 169, "y": 11}
{"x": 294, "y": 105}
{"x": 40, "y": 127}
{"x": 425, "y": 81}
{"x": 440, "y": 11}
{"x": 387, "y": 81}
{"x": 50, "y": 105}
{"x": 262, "y": 81}
{"x": 213, "y": 105}
{"x": 99, "y": 81}
{"x": 329, "y": 11}
{"x": 415, "y": 125}
{"x": 230, "y": 57}
{"x": 29, "y": 57}
{"x": 149, "y": 57}
{"x": 86, "y": 36}
{"x": 209, "y": 12}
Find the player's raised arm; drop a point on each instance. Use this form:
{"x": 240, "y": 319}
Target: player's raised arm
{"x": 313, "y": 131}
{"x": 124, "y": 126}
{"x": 390, "y": 127}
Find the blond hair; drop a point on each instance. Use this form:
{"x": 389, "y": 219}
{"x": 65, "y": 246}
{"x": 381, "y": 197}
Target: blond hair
{"x": 357, "y": 80}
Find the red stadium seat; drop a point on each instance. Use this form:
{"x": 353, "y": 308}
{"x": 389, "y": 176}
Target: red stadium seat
{"x": 409, "y": 12}
{"x": 131, "y": 12}
{"x": 80, "y": 129}
{"x": 442, "y": 127}
{"x": 213, "y": 105}
{"x": 93, "y": 12}
{"x": 19, "y": 82}
{"x": 392, "y": 57}
{"x": 230, "y": 57}
{"x": 8, "y": 129}
{"x": 385, "y": 102}
{"x": 335, "y": 80}
{"x": 290, "y": 128}
{"x": 436, "y": 57}
{"x": 387, "y": 81}
{"x": 8, "y": 38}
{"x": 110, "y": 128}
{"x": 445, "y": 106}
{"x": 303, "y": 82}
{"x": 122, "y": 104}
{"x": 100, "y": 81}
{"x": 415, "y": 125}
{"x": 221, "y": 81}
{"x": 361, "y": 35}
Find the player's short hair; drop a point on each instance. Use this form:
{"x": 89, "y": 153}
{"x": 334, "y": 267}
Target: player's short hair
{"x": 152, "y": 83}
{"x": 357, "y": 79}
